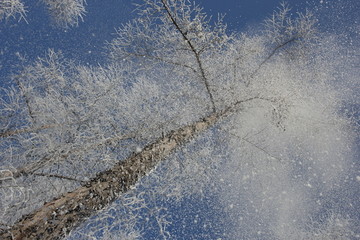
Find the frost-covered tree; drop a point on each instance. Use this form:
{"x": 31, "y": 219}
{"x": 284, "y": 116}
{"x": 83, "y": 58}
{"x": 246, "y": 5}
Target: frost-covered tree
{"x": 11, "y": 8}
{"x": 182, "y": 110}
{"x": 65, "y": 13}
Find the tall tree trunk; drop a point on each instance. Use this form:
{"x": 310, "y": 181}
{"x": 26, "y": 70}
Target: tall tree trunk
{"x": 55, "y": 219}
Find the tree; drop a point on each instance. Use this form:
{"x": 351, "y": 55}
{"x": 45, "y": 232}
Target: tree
{"x": 64, "y": 13}
{"x": 77, "y": 138}
{"x": 10, "y": 8}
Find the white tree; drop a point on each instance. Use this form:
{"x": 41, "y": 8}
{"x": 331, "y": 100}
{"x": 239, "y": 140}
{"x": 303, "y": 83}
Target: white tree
{"x": 251, "y": 118}
{"x": 11, "y": 8}
{"x": 65, "y": 13}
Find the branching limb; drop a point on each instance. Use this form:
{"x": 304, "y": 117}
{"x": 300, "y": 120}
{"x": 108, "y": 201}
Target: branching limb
{"x": 32, "y": 167}
{"x": 12, "y": 8}
{"x": 26, "y": 99}
{"x": 163, "y": 60}
{"x": 276, "y": 49}
{"x": 27, "y": 130}
{"x": 195, "y": 52}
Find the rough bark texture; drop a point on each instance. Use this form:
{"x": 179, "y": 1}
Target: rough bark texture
{"x": 55, "y": 219}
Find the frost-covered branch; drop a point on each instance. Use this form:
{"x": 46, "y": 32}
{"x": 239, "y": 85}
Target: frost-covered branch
{"x": 285, "y": 32}
{"x": 195, "y": 52}
{"x": 66, "y": 13}
{"x": 12, "y": 8}
{"x": 184, "y": 29}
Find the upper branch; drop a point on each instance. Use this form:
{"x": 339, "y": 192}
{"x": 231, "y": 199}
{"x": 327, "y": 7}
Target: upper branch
{"x": 196, "y": 53}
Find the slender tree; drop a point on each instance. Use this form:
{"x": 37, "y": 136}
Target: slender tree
{"x": 77, "y": 138}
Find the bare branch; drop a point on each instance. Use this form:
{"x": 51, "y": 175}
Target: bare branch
{"x": 57, "y": 176}
{"x": 27, "y": 130}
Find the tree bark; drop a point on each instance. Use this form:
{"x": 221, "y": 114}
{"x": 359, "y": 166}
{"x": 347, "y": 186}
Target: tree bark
{"x": 55, "y": 219}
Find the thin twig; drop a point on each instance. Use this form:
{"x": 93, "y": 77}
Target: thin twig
{"x": 269, "y": 57}
{"x": 57, "y": 176}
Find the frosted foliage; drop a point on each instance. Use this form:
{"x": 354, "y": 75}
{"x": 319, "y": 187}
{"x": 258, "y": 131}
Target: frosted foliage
{"x": 279, "y": 162}
{"x": 66, "y": 13}
{"x": 78, "y": 121}
{"x": 145, "y": 212}
{"x": 11, "y": 8}
{"x": 190, "y": 171}
{"x": 283, "y": 29}
{"x": 153, "y": 37}
{"x": 118, "y": 222}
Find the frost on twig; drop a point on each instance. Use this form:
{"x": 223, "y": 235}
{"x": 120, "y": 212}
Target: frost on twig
{"x": 283, "y": 30}
{"x": 165, "y": 28}
{"x": 12, "y": 8}
{"x": 66, "y": 13}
